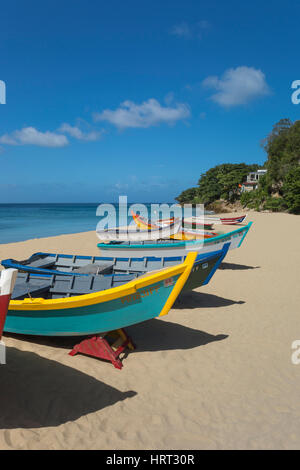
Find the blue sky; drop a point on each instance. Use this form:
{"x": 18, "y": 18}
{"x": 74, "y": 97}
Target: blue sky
{"x": 138, "y": 97}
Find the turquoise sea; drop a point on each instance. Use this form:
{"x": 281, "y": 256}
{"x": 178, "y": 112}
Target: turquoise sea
{"x": 20, "y": 222}
{"x": 25, "y": 221}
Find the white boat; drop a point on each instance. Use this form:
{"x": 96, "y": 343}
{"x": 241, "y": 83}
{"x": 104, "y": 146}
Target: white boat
{"x": 184, "y": 234}
{"x": 225, "y": 220}
{"x": 171, "y": 247}
{"x": 134, "y": 233}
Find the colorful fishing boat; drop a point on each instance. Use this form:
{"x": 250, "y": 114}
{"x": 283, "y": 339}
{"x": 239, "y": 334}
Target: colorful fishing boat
{"x": 194, "y": 234}
{"x": 112, "y": 270}
{"x": 73, "y": 305}
{"x": 188, "y": 222}
{"x": 162, "y": 248}
{"x": 7, "y": 281}
{"x": 184, "y": 234}
{"x": 226, "y": 220}
{"x": 135, "y": 234}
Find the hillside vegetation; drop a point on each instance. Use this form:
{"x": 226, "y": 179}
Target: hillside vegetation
{"x": 278, "y": 189}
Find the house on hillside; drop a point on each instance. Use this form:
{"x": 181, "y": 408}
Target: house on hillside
{"x": 252, "y": 180}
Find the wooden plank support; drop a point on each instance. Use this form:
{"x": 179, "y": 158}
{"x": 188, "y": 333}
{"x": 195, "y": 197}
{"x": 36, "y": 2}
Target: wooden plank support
{"x": 101, "y": 347}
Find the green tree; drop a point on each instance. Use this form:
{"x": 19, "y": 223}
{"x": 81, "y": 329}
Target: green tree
{"x": 283, "y": 148}
{"x": 291, "y": 190}
{"x": 222, "y": 181}
{"x": 278, "y": 190}
{"x": 187, "y": 196}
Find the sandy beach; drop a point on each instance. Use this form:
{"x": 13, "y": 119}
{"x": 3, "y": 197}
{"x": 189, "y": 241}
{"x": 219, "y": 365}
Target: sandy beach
{"x": 215, "y": 373}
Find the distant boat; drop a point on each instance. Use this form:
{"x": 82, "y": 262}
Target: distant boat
{"x": 226, "y": 220}
{"x": 133, "y": 234}
{"x": 206, "y": 221}
{"x": 61, "y": 305}
{"x": 163, "y": 248}
{"x": 183, "y": 234}
{"x": 111, "y": 270}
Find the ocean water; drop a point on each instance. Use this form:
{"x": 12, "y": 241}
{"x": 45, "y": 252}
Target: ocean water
{"x": 20, "y": 222}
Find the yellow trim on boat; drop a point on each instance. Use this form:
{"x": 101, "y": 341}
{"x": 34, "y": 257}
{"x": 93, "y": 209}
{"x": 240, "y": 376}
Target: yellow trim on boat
{"x": 140, "y": 223}
{"x": 182, "y": 235}
{"x": 99, "y": 297}
{"x": 185, "y": 236}
{"x": 189, "y": 262}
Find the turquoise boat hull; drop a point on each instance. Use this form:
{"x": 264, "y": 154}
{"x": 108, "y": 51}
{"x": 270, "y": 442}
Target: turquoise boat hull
{"x": 143, "y": 305}
{"x": 165, "y": 248}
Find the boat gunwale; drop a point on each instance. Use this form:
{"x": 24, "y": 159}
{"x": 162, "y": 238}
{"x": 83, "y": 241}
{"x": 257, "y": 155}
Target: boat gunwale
{"x": 113, "y": 293}
{"x": 9, "y": 262}
{"x": 176, "y": 244}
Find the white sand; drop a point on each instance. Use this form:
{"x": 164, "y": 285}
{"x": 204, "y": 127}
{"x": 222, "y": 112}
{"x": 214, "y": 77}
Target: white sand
{"x": 216, "y": 373}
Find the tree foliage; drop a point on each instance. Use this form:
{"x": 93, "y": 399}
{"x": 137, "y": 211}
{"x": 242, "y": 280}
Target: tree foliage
{"x": 187, "y": 196}
{"x": 291, "y": 190}
{"x": 283, "y": 177}
{"x": 221, "y": 181}
{"x": 278, "y": 189}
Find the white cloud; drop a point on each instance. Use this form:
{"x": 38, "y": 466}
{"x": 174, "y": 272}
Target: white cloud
{"x": 147, "y": 114}
{"x": 201, "y": 27}
{"x": 77, "y": 133}
{"x": 31, "y": 136}
{"x": 6, "y": 139}
{"x": 237, "y": 86}
{"x": 181, "y": 30}
{"x": 203, "y": 24}
{"x": 187, "y": 31}
{"x": 169, "y": 98}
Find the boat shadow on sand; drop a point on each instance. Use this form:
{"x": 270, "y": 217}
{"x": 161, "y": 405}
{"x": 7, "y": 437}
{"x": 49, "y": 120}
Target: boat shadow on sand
{"x": 235, "y": 266}
{"x": 195, "y": 299}
{"x": 36, "y": 392}
{"x": 151, "y": 335}
{"x": 158, "y": 335}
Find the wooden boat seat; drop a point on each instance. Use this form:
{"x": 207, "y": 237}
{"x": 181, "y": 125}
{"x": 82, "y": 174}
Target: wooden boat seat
{"x": 43, "y": 263}
{"x": 57, "y": 286}
{"x": 26, "y": 289}
{"x": 38, "y": 262}
{"x": 137, "y": 270}
{"x": 70, "y": 286}
{"x": 103, "y": 268}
